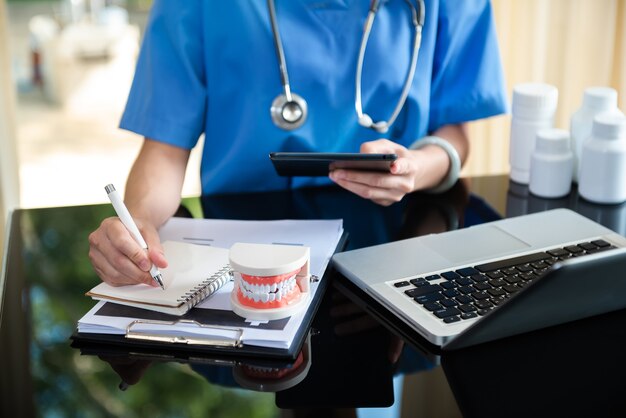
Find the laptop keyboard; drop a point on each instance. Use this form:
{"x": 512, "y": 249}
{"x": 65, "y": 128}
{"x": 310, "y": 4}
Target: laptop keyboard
{"x": 470, "y": 292}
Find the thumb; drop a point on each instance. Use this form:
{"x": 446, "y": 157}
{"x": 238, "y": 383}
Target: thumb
{"x": 400, "y": 166}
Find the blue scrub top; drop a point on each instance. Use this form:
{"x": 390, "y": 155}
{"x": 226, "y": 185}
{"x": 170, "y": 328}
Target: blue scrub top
{"x": 210, "y": 67}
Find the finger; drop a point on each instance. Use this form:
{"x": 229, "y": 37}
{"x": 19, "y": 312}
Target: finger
{"x": 155, "y": 249}
{"x": 374, "y": 179}
{"x": 401, "y": 166}
{"x": 123, "y": 242}
{"x": 387, "y": 187}
{"x": 112, "y": 265}
{"x": 158, "y": 257}
{"x": 379, "y": 146}
{"x": 111, "y": 275}
{"x": 380, "y": 196}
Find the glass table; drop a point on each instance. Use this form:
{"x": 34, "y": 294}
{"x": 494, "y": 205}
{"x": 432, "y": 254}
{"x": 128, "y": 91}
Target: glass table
{"x": 355, "y": 362}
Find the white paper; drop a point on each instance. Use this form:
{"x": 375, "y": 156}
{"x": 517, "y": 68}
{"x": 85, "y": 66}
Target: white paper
{"x": 321, "y": 236}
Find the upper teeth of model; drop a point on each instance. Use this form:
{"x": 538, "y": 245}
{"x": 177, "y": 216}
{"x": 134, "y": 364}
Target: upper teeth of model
{"x": 267, "y": 292}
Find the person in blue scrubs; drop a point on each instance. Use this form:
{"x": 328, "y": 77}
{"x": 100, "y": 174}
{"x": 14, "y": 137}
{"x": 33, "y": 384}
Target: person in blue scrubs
{"x": 210, "y": 68}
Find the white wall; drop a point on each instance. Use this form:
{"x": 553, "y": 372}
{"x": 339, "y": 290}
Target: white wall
{"x": 9, "y": 174}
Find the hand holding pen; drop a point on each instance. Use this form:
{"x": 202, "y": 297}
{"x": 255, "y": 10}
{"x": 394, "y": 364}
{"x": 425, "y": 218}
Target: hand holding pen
{"x": 129, "y": 223}
{"x": 119, "y": 252}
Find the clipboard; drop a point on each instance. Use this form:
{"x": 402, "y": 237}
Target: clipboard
{"x": 222, "y": 347}
{"x": 234, "y": 342}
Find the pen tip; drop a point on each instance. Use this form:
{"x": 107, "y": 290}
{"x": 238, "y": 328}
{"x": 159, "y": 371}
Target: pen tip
{"x": 159, "y": 279}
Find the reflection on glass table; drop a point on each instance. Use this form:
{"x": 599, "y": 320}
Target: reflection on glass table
{"x": 255, "y": 374}
{"x": 519, "y": 201}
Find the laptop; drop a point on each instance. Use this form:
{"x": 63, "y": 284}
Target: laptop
{"x": 497, "y": 279}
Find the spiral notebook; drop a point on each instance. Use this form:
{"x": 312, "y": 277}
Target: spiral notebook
{"x": 194, "y": 273}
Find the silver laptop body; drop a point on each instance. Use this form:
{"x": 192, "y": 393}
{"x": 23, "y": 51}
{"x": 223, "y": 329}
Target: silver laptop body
{"x": 376, "y": 269}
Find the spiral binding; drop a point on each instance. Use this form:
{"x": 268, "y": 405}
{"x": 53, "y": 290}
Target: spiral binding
{"x": 206, "y": 288}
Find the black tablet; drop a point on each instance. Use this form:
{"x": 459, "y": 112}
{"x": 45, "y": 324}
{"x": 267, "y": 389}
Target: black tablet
{"x": 320, "y": 163}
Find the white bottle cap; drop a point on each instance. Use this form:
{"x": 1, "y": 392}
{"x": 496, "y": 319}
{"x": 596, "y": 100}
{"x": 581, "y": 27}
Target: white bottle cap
{"x": 600, "y": 98}
{"x": 552, "y": 141}
{"x": 534, "y": 100}
{"x": 609, "y": 125}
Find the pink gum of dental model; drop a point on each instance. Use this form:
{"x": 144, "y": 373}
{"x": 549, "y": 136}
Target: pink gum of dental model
{"x": 271, "y": 281}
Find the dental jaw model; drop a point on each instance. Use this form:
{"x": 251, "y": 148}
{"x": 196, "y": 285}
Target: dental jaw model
{"x": 271, "y": 281}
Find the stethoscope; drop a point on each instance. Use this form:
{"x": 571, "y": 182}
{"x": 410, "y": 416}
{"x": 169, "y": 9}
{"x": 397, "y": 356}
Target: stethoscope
{"x": 289, "y": 110}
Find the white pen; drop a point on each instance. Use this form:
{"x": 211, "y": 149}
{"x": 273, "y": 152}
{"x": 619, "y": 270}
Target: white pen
{"x": 127, "y": 220}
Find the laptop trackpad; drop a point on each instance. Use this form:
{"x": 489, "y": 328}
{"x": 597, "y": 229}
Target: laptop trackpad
{"x": 474, "y": 244}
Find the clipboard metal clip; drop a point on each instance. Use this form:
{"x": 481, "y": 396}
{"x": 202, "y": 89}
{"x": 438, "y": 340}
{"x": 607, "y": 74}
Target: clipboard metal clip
{"x": 234, "y": 342}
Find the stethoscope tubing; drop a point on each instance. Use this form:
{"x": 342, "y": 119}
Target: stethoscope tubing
{"x": 287, "y": 102}
{"x": 280, "y": 53}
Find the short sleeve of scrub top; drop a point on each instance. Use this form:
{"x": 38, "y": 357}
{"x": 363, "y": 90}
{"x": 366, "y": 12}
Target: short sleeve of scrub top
{"x": 210, "y": 68}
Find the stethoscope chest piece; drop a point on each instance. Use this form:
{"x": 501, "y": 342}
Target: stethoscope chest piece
{"x": 288, "y": 114}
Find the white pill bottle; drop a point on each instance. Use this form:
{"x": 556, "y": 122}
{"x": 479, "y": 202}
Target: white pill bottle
{"x": 533, "y": 107}
{"x": 596, "y": 100}
{"x": 551, "y": 164}
{"x": 602, "y": 174}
